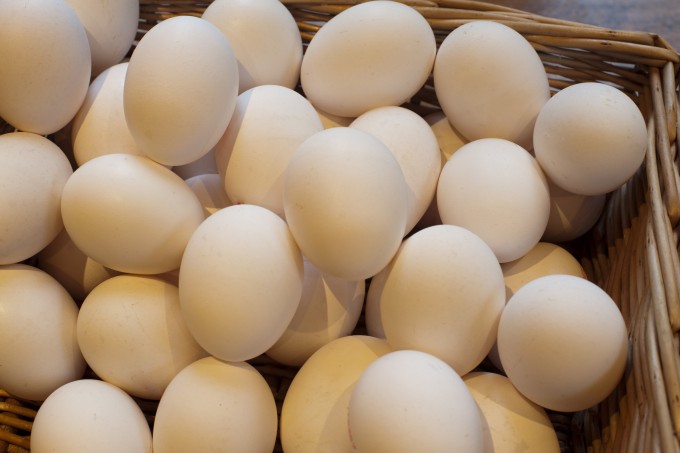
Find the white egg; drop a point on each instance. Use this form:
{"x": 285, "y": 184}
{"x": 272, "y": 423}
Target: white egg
{"x": 414, "y": 145}
{"x": 590, "y": 138}
{"x": 345, "y": 202}
{"x": 38, "y": 327}
{"x": 314, "y": 412}
{"x": 443, "y": 294}
{"x": 240, "y": 282}
{"x": 216, "y": 406}
{"x": 265, "y": 39}
{"x": 33, "y": 173}
{"x": 449, "y": 139}
{"x": 350, "y": 68}
{"x": 563, "y": 342}
{"x": 268, "y": 125}
{"x": 130, "y": 213}
{"x": 408, "y": 401}
{"x": 497, "y": 190}
{"x": 180, "y": 89}
{"x": 490, "y": 82}
{"x": 90, "y": 415}
{"x": 201, "y": 166}
{"x": 43, "y": 87}
{"x": 328, "y": 120}
{"x": 329, "y": 309}
{"x": 571, "y": 215}
{"x": 210, "y": 192}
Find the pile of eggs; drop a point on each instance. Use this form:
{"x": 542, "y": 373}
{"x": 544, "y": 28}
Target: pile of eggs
{"x": 194, "y": 211}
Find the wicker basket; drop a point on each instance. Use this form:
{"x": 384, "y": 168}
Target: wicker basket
{"x": 632, "y": 252}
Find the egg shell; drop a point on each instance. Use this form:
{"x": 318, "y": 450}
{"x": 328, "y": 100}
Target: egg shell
{"x": 571, "y": 215}
{"x": 268, "y": 125}
{"x": 328, "y": 120}
{"x": 408, "y": 401}
{"x": 130, "y": 213}
{"x": 490, "y": 82}
{"x": 344, "y": 201}
{"x": 449, "y": 139}
{"x": 200, "y": 166}
{"x": 414, "y": 145}
{"x": 515, "y": 423}
{"x": 497, "y": 190}
{"x": 90, "y": 415}
{"x": 590, "y": 138}
{"x": 39, "y": 322}
{"x": 240, "y": 282}
{"x": 210, "y": 192}
{"x": 180, "y": 89}
{"x": 132, "y": 334}
{"x": 314, "y": 412}
{"x": 370, "y": 55}
{"x": 33, "y": 173}
{"x": 563, "y": 342}
{"x": 443, "y": 294}
{"x": 44, "y": 86}
{"x": 111, "y": 27}
{"x": 265, "y": 39}
{"x": 329, "y": 308}
{"x": 216, "y": 406}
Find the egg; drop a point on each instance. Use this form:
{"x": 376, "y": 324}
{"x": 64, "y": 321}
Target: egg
{"x": 449, "y": 139}
{"x": 132, "y": 334}
{"x": 590, "y": 138}
{"x": 408, "y": 401}
{"x": 328, "y": 120}
{"x": 350, "y": 68}
{"x": 414, "y": 144}
{"x": 201, "y": 166}
{"x": 515, "y": 423}
{"x": 210, "y": 192}
{"x": 111, "y": 27}
{"x": 99, "y": 127}
{"x": 180, "y": 89}
{"x": 90, "y": 415}
{"x": 38, "y": 328}
{"x": 571, "y": 215}
{"x": 240, "y": 282}
{"x": 33, "y": 173}
{"x": 344, "y": 201}
{"x": 46, "y": 83}
{"x": 497, "y": 190}
{"x": 216, "y": 406}
{"x": 268, "y": 125}
{"x": 563, "y": 342}
{"x": 314, "y": 412}
{"x": 329, "y": 308}
{"x": 265, "y": 40}
{"x": 490, "y": 82}
{"x": 443, "y": 294}
{"x": 130, "y": 214}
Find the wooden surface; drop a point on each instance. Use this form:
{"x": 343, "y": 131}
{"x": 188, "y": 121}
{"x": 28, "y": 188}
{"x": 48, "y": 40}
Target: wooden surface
{"x": 657, "y": 16}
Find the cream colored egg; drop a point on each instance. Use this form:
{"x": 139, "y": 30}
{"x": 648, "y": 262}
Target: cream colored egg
{"x": 372, "y": 310}
{"x": 330, "y": 121}
{"x": 443, "y": 294}
{"x": 111, "y": 28}
{"x": 344, "y": 200}
{"x": 240, "y": 282}
{"x": 33, "y": 173}
{"x": 75, "y": 271}
{"x": 43, "y": 87}
{"x": 200, "y": 166}
{"x": 497, "y": 190}
{"x": 38, "y": 329}
{"x": 210, "y": 192}
{"x": 563, "y": 342}
{"x": 90, "y": 415}
{"x": 329, "y": 309}
{"x": 571, "y": 215}
{"x": 515, "y": 423}
{"x": 99, "y": 127}
{"x": 350, "y": 68}
{"x": 265, "y": 39}
{"x": 415, "y": 147}
{"x": 408, "y": 401}
{"x": 132, "y": 334}
{"x": 314, "y": 412}
{"x": 449, "y": 139}
{"x": 130, "y": 213}
{"x": 216, "y": 406}
{"x": 490, "y": 82}
{"x": 268, "y": 125}
{"x": 180, "y": 89}
{"x": 590, "y": 138}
